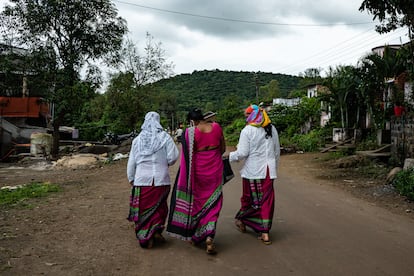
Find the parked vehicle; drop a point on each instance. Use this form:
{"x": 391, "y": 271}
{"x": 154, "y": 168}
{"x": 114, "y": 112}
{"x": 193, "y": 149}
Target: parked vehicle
{"x": 112, "y": 138}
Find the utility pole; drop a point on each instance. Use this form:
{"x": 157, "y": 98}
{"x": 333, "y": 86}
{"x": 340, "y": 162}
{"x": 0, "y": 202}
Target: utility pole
{"x": 256, "y": 80}
{"x": 410, "y": 35}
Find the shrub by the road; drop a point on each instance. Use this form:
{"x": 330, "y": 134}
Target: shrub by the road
{"x": 404, "y": 183}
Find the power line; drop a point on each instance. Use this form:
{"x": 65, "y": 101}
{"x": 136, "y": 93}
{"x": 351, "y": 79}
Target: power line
{"x": 240, "y": 20}
{"x": 363, "y": 45}
{"x": 326, "y": 52}
{"x": 322, "y": 59}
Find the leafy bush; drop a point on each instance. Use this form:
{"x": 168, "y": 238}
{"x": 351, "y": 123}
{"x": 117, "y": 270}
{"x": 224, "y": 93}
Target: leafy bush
{"x": 93, "y": 131}
{"x": 368, "y": 143}
{"x": 290, "y": 119}
{"x": 285, "y": 141}
{"x": 404, "y": 183}
{"x": 309, "y": 142}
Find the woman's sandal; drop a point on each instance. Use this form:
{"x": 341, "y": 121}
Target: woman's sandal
{"x": 159, "y": 238}
{"x": 150, "y": 243}
{"x": 267, "y": 241}
{"x": 210, "y": 247}
{"x": 240, "y": 226}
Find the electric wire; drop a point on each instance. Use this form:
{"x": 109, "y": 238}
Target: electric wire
{"x": 326, "y": 52}
{"x": 355, "y": 49}
{"x": 240, "y": 20}
{"x": 352, "y": 51}
{"x": 348, "y": 48}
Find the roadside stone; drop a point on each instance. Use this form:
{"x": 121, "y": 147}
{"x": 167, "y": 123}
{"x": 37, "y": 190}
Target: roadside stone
{"x": 408, "y": 163}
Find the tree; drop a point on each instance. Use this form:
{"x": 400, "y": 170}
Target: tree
{"x": 370, "y": 90}
{"x": 391, "y": 13}
{"x": 311, "y": 73}
{"x": 230, "y": 109}
{"x": 74, "y": 32}
{"x": 343, "y": 83}
{"x": 269, "y": 91}
{"x": 123, "y": 106}
{"x": 310, "y": 76}
{"x": 374, "y": 71}
{"x": 147, "y": 68}
{"x": 389, "y": 65}
{"x": 131, "y": 94}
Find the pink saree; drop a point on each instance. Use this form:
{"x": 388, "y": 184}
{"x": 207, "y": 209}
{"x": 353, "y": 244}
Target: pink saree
{"x": 197, "y": 196}
{"x": 148, "y": 210}
{"x": 257, "y": 204}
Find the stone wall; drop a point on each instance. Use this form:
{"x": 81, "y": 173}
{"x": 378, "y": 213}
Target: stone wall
{"x": 402, "y": 138}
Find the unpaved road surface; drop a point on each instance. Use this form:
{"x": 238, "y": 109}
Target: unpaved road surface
{"x": 320, "y": 228}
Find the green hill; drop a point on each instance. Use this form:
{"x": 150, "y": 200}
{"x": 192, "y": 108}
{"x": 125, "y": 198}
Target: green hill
{"x": 204, "y": 88}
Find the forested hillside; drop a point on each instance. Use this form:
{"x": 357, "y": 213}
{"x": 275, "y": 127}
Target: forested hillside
{"x": 206, "y": 88}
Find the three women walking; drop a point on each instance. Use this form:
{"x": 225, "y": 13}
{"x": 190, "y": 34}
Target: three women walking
{"x": 197, "y": 197}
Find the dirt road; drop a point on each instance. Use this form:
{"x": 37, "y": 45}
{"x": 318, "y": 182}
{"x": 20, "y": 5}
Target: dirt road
{"x": 319, "y": 229}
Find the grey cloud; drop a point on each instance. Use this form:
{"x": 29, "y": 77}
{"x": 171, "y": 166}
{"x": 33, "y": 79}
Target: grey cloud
{"x": 204, "y": 16}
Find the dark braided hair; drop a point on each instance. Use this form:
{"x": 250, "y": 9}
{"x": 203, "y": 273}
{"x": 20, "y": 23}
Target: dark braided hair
{"x": 268, "y": 130}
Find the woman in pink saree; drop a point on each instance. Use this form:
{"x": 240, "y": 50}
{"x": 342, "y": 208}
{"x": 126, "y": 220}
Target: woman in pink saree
{"x": 197, "y": 198}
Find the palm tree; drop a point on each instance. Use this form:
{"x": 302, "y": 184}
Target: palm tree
{"x": 343, "y": 82}
{"x": 375, "y": 71}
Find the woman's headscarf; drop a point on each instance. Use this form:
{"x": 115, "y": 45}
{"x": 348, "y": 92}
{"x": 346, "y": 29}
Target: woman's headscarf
{"x": 152, "y": 137}
{"x": 257, "y": 116}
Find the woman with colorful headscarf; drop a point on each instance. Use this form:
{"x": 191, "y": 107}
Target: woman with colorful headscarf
{"x": 197, "y": 197}
{"x": 152, "y": 152}
{"x": 259, "y": 147}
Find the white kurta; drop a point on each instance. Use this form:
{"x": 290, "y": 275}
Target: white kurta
{"x": 258, "y": 152}
{"x": 143, "y": 169}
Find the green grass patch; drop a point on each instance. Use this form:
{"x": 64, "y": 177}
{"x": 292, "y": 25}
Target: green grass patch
{"x": 10, "y": 196}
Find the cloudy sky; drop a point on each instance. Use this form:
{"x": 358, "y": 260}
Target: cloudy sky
{"x": 276, "y": 36}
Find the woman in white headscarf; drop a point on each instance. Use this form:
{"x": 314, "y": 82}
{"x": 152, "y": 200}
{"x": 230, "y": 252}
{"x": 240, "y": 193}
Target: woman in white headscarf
{"x": 152, "y": 152}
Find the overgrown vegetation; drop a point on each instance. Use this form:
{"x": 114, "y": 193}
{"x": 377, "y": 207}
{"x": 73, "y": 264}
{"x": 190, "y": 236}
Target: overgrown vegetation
{"x": 309, "y": 142}
{"x": 404, "y": 183}
{"x": 369, "y": 143}
{"x": 57, "y": 53}
{"x": 71, "y": 35}
{"x": 18, "y": 195}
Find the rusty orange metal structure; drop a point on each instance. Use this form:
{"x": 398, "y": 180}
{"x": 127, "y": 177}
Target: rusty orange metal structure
{"x": 24, "y": 107}
{"x": 15, "y": 130}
